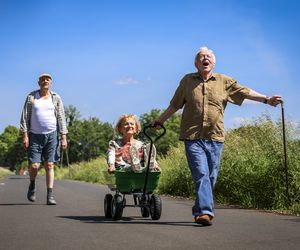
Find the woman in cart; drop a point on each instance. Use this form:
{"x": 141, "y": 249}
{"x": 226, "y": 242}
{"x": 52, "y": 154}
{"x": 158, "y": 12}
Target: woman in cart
{"x": 128, "y": 153}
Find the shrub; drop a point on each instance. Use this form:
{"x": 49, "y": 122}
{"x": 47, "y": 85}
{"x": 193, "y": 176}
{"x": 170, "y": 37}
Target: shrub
{"x": 252, "y": 170}
{"x": 5, "y": 172}
{"x": 94, "y": 171}
{"x": 176, "y": 177}
{"x": 251, "y": 174}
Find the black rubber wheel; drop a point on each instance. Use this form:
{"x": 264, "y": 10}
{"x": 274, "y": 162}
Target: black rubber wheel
{"x": 144, "y": 207}
{"x": 155, "y": 207}
{"x": 107, "y": 205}
{"x": 145, "y": 211}
{"x": 117, "y": 207}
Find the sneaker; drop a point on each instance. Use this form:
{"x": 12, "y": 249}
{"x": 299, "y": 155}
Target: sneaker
{"x": 50, "y": 200}
{"x": 135, "y": 159}
{"x": 31, "y": 194}
{"x": 203, "y": 219}
{"x": 152, "y": 158}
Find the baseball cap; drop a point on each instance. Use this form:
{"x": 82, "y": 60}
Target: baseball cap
{"x": 45, "y": 75}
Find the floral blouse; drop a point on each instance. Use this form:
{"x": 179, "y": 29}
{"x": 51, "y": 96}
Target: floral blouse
{"x": 118, "y": 154}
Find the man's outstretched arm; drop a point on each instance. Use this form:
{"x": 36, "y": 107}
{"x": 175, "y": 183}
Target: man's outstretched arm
{"x": 271, "y": 100}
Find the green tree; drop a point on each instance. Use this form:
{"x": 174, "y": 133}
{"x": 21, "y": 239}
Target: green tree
{"x": 11, "y": 151}
{"x": 88, "y": 139}
{"x": 72, "y": 115}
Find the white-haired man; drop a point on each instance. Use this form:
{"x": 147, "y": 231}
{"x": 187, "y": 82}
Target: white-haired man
{"x": 203, "y": 95}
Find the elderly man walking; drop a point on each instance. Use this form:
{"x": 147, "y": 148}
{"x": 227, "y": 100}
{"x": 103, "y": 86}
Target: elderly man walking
{"x": 42, "y": 123}
{"x": 203, "y": 95}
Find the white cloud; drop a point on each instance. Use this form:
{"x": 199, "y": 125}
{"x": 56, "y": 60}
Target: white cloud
{"x": 126, "y": 81}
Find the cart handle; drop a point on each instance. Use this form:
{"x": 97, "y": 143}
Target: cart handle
{"x": 152, "y": 126}
{"x": 150, "y": 152}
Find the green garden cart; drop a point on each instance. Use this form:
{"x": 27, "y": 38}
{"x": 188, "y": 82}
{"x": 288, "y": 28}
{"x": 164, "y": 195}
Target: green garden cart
{"x": 140, "y": 185}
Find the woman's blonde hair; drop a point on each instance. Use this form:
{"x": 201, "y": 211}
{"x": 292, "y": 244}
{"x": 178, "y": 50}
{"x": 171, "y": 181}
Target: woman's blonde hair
{"x": 122, "y": 118}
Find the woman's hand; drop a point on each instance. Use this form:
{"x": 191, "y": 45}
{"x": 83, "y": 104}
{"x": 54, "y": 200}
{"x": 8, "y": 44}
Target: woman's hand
{"x": 111, "y": 169}
{"x": 156, "y": 167}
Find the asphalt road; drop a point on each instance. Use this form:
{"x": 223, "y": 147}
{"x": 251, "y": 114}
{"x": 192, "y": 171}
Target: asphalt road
{"x": 78, "y": 222}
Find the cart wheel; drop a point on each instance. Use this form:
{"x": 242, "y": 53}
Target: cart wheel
{"x": 144, "y": 207}
{"x": 107, "y": 205}
{"x": 117, "y": 207}
{"x": 145, "y": 211}
{"x": 155, "y": 207}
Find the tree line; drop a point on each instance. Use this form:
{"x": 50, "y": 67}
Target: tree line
{"x": 88, "y": 138}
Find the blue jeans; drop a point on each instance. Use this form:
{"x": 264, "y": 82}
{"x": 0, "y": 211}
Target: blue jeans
{"x": 204, "y": 160}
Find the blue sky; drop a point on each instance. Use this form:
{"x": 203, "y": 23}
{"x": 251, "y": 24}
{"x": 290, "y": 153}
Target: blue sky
{"x": 108, "y": 58}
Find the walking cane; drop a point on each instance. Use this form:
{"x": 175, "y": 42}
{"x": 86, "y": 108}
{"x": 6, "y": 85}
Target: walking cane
{"x": 67, "y": 159}
{"x": 285, "y": 154}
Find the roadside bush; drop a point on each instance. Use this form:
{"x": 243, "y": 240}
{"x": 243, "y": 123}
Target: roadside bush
{"x": 94, "y": 171}
{"x": 251, "y": 175}
{"x": 5, "y": 172}
{"x": 176, "y": 177}
{"x": 252, "y": 172}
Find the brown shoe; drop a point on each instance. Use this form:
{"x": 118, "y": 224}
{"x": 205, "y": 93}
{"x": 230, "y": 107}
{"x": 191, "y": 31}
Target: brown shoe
{"x": 204, "y": 219}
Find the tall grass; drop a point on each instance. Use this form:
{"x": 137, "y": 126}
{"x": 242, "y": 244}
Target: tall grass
{"x": 251, "y": 174}
{"x": 94, "y": 171}
{"x": 5, "y": 172}
{"x": 176, "y": 177}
